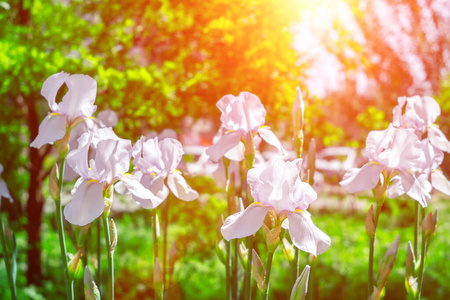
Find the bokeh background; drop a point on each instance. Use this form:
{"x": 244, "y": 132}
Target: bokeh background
{"x": 164, "y": 64}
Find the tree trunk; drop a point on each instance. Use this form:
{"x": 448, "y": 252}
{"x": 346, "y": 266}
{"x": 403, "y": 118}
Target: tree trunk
{"x": 35, "y": 203}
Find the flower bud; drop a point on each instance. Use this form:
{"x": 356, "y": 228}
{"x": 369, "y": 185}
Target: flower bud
{"x": 53, "y": 183}
{"x": 300, "y": 287}
{"x": 370, "y": 223}
{"x": 243, "y": 255}
{"x": 311, "y": 161}
{"x": 74, "y": 265}
{"x": 62, "y": 145}
{"x": 91, "y": 291}
{"x": 158, "y": 282}
{"x": 410, "y": 280}
{"x": 289, "y": 251}
{"x": 249, "y": 153}
{"x": 272, "y": 237}
{"x": 259, "y": 272}
{"x": 113, "y": 235}
{"x": 221, "y": 250}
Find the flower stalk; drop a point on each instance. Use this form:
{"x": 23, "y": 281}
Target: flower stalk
{"x": 265, "y": 295}
{"x": 60, "y": 227}
{"x": 8, "y": 263}
{"x": 110, "y": 252}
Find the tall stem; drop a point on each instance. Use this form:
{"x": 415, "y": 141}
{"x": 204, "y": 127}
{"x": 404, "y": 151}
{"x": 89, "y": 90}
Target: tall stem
{"x": 165, "y": 222}
{"x": 371, "y": 250}
{"x": 12, "y": 285}
{"x": 248, "y": 271}
{"x": 234, "y": 281}
{"x": 416, "y": 226}
{"x": 265, "y": 295}
{"x": 99, "y": 257}
{"x": 110, "y": 292}
{"x": 422, "y": 257}
{"x": 296, "y": 267}
{"x": 155, "y": 234}
{"x": 60, "y": 227}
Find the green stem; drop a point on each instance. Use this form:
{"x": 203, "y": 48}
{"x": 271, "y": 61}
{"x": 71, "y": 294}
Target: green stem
{"x": 60, "y": 226}
{"x": 422, "y": 257}
{"x": 12, "y": 285}
{"x": 248, "y": 271}
{"x": 416, "y": 226}
{"x": 165, "y": 222}
{"x": 99, "y": 257}
{"x": 371, "y": 250}
{"x": 155, "y": 235}
{"x": 234, "y": 280}
{"x": 296, "y": 267}
{"x": 110, "y": 292}
{"x": 265, "y": 295}
{"x": 227, "y": 243}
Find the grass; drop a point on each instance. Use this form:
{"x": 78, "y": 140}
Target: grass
{"x": 339, "y": 273}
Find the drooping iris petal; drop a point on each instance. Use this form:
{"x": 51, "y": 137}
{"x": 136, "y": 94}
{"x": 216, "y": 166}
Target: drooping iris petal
{"x": 180, "y": 188}
{"x": 51, "y": 86}
{"x": 362, "y": 179}
{"x": 395, "y": 188}
{"x": 225, "y": 143}
{"x": 79, "y": 100}
{"x": 244, "y": 223}
{"x": 266, "y": 134}
{"x": 305, "y": 235}
{"x": 236, "y": 153}
{"x": 155, "y": 185}
{"x": 440, "y": 182}
{"x": 438, "y": 139}
{"x": 87, "y": 203}
{"x": 51, "y": 129}
{"x": 137, "y": 189}
{"x": 420, "y": 190}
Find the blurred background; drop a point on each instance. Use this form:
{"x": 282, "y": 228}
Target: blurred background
{"x": 164, "y": 64}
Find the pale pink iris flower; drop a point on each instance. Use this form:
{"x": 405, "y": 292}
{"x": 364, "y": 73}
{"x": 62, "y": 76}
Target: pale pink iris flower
{"x": 428, "y": 176}
{"x": 101, "y": 160}
{"x": 277, "y": 186}
{"x": 156, "y": 161}
{"x": 391, "y": 152}
{"x": 420, "y": 114}
{"x": 242, "y": 118}
{"x": 76, "y": 105}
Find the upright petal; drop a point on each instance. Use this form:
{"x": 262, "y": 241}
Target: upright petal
{"x": 180, "y": 188}
{"x": 305, "y": 235}
{"x": 50, "y": 88}
{"x": 87, "y": 203}
{"x": 244, "y": 112}
{"x": 108, "y": 118}
{"x": 362, "y": 179}
{"x": 226, "y": 143}
{"x": 79, "y": 100}
{"x": 244, "y": 223}
{"x": 171, "y": 153}
{"x": 51, "y": 129}
{"x": 266, "y": 134}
